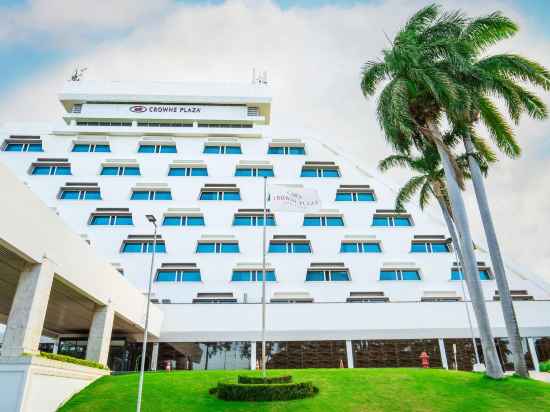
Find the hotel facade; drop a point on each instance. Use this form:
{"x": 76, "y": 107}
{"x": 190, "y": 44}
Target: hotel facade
{"x": 355, "y": 284}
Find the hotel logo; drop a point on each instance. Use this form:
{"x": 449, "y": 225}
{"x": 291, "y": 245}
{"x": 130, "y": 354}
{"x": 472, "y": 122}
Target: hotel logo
{"x": 138, "y": 109}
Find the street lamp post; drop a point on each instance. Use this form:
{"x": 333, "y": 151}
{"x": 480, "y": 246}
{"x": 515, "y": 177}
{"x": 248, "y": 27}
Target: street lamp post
{"x": 152, "y": 220}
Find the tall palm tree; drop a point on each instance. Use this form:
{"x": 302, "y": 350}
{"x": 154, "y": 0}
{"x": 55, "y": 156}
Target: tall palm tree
{"x": 411, "y": 107}
{"x": 486, "y": 77}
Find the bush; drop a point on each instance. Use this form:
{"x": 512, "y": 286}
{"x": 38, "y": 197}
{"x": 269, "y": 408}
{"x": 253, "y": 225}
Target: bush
{"x": 70, "y": 359}
{"x": 265, "y": 392}
{"x": 544, "y": 366}
{"x": 255, "y": 380}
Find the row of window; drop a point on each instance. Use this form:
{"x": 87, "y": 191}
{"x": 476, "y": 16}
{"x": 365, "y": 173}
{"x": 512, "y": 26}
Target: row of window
{"x": 275, "y": 246}
{"x": 336, "y": 275}
{"x": 153, "y": 148}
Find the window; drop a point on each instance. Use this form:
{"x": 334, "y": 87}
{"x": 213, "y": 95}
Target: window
{"x": 360, "y": 247}
{"x": 183, "y": 221}
{"x": 158, "y": 148}
{"x": 253, "y": 220}
{"x": 323, "y": 221}
{"x": 286, "y": 150}
{"x": 217, "y": 247}
{"x": 380, "y": 220}
{"x": 254, "y": 171}
{"x": 327, "y": 275}
{"x": 429, "y": 247}
{"x": 143, "y": 246}
{"x": 80, "y": 194}
{"x": 192, "y": 275}
{"x": 398, "y": 274}
{"x": 111, "y": 220}
{"x": 252, "y": 276}
{"x": 220, "y": 195}
{"x": 231, "y": 125}
{"x": 151, "y": 195}
{"x": 483, "y": 274}
{"x": 120, "y": 171}
{"x": 187, "y": 171}
{"x": 23, "y": 147}
{"x": 320, "y": 172}
{"x": 222, "y": 149}
{"x": 289, "y": 247}
{"x": 85, "y": 147}
{"x": 86, "y": 123}
{"x": 355, "y": 197}
{"x": 164, "y": 124}
{"x": 51, "y": 170}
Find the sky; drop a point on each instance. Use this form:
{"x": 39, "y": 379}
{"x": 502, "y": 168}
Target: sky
{"x": 313, "y": 51}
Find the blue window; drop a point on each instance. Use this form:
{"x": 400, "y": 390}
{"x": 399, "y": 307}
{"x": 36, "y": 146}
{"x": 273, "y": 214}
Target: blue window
{"x": 217, "y": 149}
{"x": 320, "y": 172}
{"x": 143, "y": 247}
{"x": 327, "y": 276}
{"x": 289, "y": 247}
{"x": 120, "y": 171}
{"x": 161, "y": 148}
{"x": 51, "y": 170}
{"x": 323, "y": 221}
{"x": 398, "y": 274}
{"x": 183, "y": 221}
{"x": 483, "y": 274}
{"x": 230, "y": 195}
{"x": 430, "y": 247}
{"x": 23, "y": 147}
{"x": 360, "y": 247}
{"x": 254, "y": 172}
{"x": 378, "y": 220}
{"x": 110, "y": 220}
{"x": 286, "y": 150}
{"x": 217, "y": 247}
{"x": 253, "y": 220}
{"x": 252, "y": 276}
{"x": 188, "y": 171}
{"x": 151, "y": 195}
{"x": 80, "y": 147}
{"x": 80, "y": 195}
{"x": 355, "y": 197}
{"x": 178, "y": 276}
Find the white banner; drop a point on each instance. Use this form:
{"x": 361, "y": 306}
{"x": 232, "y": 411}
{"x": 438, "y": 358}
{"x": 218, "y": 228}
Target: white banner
{"x": 284, "y": 198}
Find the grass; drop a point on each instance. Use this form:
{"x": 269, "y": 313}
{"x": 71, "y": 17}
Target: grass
{"x": 340, "y": 390}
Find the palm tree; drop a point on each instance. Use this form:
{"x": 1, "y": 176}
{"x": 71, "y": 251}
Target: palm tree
{"x": 411, "y": 106}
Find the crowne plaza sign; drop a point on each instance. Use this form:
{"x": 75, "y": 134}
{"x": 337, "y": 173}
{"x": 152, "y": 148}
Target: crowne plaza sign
{"x": 167, "y": 108}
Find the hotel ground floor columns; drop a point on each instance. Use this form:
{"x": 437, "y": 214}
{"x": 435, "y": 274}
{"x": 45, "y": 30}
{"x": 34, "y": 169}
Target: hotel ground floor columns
{"x": 533, "y": 351}
{"x": 154, "y": 357}
{"x": 99, "y": 339}
{"x": 253, "y": 355}
{"x": 28, "y": 310}
{"x": 349, "y": 353}
{"x": 444, "y": 361}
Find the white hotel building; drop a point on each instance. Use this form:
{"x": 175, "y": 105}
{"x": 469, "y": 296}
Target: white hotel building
{"x": 355, "y": 284}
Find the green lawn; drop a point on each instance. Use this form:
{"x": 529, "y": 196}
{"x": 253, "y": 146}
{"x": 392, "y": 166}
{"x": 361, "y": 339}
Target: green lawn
{"x": 340, "y": 390}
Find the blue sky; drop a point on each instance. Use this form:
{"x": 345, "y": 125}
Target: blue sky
{"x": 21, "y": 59}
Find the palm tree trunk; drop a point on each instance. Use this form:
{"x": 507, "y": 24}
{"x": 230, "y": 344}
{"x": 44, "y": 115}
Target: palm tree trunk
{"x": 494, "y": 370}
{"x": 498, "y": 265}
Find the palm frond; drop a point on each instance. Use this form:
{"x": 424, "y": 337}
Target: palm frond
{"x": 424, "y": 195}
{"x": 499, "y": 129}
{"x": 372, "y": 74}
{"x": 407, "y": 192}
{"x": 486, "y": 31}
{"x": 518, "y": 68}
{"x": 397, "y": 160}
{"x": 422, "y": 18}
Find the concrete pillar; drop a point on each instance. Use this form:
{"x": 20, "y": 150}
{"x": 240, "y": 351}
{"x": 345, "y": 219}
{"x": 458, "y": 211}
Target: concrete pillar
{"x": 533, "y": 350}
{"x": 253, "y": 356}
{"x": 99, "y": 339}
{"x": 443, "y": 353}
{"x": 349, "y": 353}
{"x": 155, "y": 356}
{"x": 28, "y": 310}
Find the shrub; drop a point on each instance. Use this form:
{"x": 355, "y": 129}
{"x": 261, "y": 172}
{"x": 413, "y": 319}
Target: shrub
{"x": 544, "y": 366}
{"x": 255, "y": 380}
{"x": 265, "y": 392}
{"x": 70, "y": 359}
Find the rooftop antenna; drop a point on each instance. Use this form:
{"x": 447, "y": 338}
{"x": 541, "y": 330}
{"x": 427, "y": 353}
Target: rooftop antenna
{"x": 77, "y": 74}
{"x": 264, "y": 78}
{"x": 253, "y": 75}
{"x": 259, "y": 78}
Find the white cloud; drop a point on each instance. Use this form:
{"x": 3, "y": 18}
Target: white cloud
{"x": 313, "y": 57}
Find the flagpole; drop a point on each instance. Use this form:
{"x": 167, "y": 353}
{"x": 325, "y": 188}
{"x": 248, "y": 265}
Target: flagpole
{"x": 263, "y": 276}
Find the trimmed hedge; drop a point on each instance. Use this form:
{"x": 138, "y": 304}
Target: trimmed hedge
{"x": 544, "y": 366}
{"x": 256, "y": 380}
{"x": 265, "y": 392}
{"x": 70, "y": 359}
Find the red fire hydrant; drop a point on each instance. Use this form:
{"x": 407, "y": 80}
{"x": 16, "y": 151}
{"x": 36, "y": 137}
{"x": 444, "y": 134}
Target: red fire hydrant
{"x": 425, "y": 360}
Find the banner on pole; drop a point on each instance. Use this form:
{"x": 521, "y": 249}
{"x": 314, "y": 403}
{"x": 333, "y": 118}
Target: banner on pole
{"x": 287, "y": 198}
